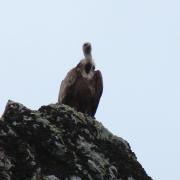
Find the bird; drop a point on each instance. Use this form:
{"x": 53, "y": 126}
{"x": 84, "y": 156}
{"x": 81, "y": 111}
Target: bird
{"x": 82, "y": 87}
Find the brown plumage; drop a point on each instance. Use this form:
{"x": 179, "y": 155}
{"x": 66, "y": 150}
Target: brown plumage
{"x": 82, "y": 86}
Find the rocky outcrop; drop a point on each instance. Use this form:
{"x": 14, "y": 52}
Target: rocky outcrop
{"x": 58, "y": 143}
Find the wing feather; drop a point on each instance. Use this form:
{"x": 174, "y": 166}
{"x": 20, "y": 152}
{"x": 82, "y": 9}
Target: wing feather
{"x": 98, "y": 90}
{"x": 66, "y": 86}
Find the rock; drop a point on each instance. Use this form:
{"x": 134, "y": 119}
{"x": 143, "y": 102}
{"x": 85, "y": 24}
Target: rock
{"x": 58, "y": 143}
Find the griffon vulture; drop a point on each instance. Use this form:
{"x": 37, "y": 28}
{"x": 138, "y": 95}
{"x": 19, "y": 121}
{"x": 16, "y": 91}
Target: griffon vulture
{"x": 83, "y": 85}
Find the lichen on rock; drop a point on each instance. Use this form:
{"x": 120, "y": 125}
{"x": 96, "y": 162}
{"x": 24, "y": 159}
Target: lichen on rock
{"x": 58, "y": 143}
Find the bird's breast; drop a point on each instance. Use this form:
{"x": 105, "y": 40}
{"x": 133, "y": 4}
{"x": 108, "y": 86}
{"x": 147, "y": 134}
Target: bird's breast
{"x": 85, "y": 87}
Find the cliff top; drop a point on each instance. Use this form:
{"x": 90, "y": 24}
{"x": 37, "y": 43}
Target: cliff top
{"x": 57, "y": 143}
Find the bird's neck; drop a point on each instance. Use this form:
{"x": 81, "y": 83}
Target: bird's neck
{"x": 86, "y": 67}
{"x": 88, "y": 57}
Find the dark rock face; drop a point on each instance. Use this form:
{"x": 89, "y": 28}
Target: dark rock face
{"x": 58, "y": 143}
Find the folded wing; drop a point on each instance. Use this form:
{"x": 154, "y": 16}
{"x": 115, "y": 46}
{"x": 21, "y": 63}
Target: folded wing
{"x": 98, "y": 85}
{"x": 67, "y": 86}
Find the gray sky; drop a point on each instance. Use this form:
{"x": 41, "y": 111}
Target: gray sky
{"x": 135, "y": 45}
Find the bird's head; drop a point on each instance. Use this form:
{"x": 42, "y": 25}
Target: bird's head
{"x": 87, "y": 49}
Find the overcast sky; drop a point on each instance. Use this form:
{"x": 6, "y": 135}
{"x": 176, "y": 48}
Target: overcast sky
{"x": 136, "y": 45}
